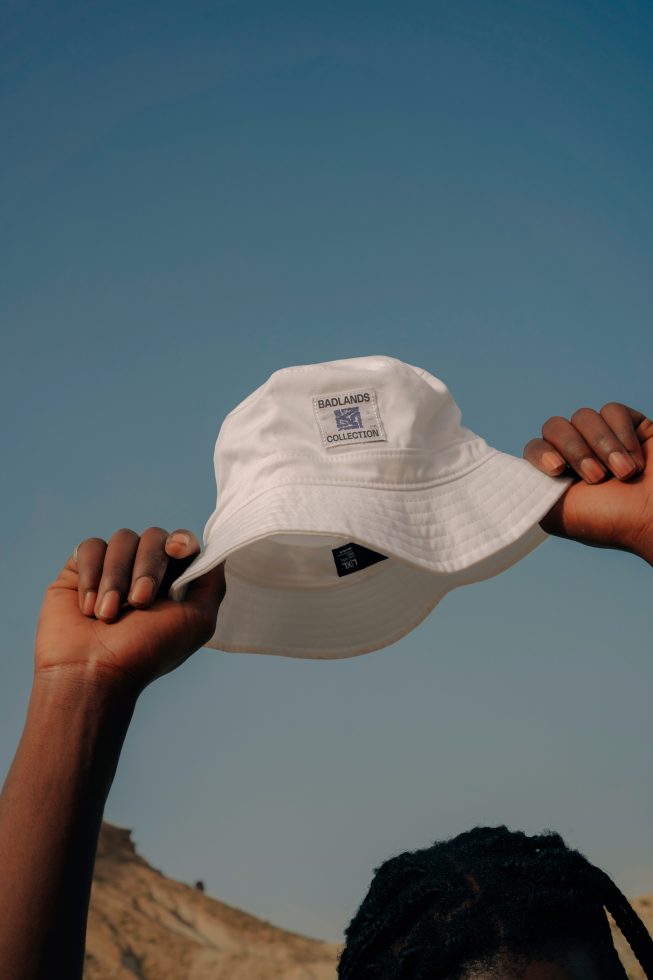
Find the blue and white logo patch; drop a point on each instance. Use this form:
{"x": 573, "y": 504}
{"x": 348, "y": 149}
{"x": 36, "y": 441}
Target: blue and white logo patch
{"x": 348, "y": 418}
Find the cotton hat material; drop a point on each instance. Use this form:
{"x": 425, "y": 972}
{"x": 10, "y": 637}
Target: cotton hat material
{"x": 350, "y": 501}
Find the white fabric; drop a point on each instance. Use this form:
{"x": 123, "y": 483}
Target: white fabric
{"x": 368, "y": 450}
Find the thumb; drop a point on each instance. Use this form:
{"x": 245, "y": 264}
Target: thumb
{"x": 202, "y": 603}
{"x": 644, "y": 430}
{"x": 206, "y": 592}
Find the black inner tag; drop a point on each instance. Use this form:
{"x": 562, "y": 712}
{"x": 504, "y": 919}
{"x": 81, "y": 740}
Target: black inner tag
{"x": 353, "y": 558}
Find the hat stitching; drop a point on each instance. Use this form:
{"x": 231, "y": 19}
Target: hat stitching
{"x": 406, "y": 495}
{"x": 408, "y": 538}
{"x": 391, "y": 487}
{"x": 381, "y": 453}
{"x": 437, "y": 536}
{"x": 445, "y": 567}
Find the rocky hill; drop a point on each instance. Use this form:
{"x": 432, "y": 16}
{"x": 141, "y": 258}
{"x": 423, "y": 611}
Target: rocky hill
{"x": 144, "y": 925}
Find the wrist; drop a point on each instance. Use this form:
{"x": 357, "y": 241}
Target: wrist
{"x": 74, "y": 732}
{"x": 97, "y": 687}
{"x": 645, "y": 551}
{"x": 78, "y": 721}
{"x": 640, "y": 543}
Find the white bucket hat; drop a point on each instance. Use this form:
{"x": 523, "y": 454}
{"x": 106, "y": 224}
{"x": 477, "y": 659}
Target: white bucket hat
{"x": 350, "y": 501}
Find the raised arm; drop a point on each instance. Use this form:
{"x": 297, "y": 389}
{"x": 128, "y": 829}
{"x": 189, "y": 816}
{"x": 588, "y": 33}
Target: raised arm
{"x": 611, "y": 453}
{"x": 101, "y": 638}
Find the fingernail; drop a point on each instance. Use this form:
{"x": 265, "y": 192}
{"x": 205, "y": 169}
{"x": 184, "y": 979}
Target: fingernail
{"x": 621, "y": 464}
{"x": 179, "y": 540}
{"x": 552, "y": 462}
{"x": 592, "y": 470}
{"x": 110, "y": 605}
{"x": 142, "y": 591}
{"x": 89, "y": 602}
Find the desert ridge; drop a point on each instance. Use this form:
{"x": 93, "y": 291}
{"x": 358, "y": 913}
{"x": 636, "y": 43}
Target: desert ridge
{"x": 146, "y": 926}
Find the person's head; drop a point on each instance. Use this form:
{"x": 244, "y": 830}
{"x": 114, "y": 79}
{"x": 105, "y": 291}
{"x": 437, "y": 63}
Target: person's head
{"x": 491, "y": 903}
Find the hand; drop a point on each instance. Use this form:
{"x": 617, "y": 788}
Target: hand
{"x": 107, "y": 614}
{"x": 611, "y": 451}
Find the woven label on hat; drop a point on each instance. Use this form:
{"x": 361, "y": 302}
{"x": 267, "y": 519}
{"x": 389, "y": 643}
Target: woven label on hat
{"x": 353, "y": 558}
{"x": 349, "y": 418}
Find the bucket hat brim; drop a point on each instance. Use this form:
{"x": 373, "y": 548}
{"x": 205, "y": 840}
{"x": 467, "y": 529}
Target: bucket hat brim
{"x": 460, "y": 530}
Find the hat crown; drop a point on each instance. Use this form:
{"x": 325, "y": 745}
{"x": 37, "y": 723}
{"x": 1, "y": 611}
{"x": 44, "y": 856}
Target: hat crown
{"x": 305, "y": 422}
{"x": 417, "y": 408}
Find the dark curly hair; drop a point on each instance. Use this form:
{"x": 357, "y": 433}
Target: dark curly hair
{"x": 488, "y": 896}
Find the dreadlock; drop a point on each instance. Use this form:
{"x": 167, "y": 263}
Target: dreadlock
{"x": 484, "y": 896}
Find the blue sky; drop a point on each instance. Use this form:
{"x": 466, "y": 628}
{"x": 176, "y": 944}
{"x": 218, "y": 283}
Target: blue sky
{"x": 195, "y": 195}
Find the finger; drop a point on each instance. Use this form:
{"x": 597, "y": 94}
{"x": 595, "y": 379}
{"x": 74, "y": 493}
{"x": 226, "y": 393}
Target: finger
{"x": 573, "y": 448}
{"x": 90, "y": 559}
{"x": 150, "y": 564}
{"x": 624, "y": 422}
{"x": 644, "y": 430}
{"x": 183, "y": 547}
{"x": 116, "y": 574}
{"x": 182, "y": 544}
{"x": 542, "y": 455}
{"x": 604, "y": 443}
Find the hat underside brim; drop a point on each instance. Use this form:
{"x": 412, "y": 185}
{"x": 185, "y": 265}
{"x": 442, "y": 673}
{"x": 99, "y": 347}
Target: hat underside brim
{"x": 290, "y": 601}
